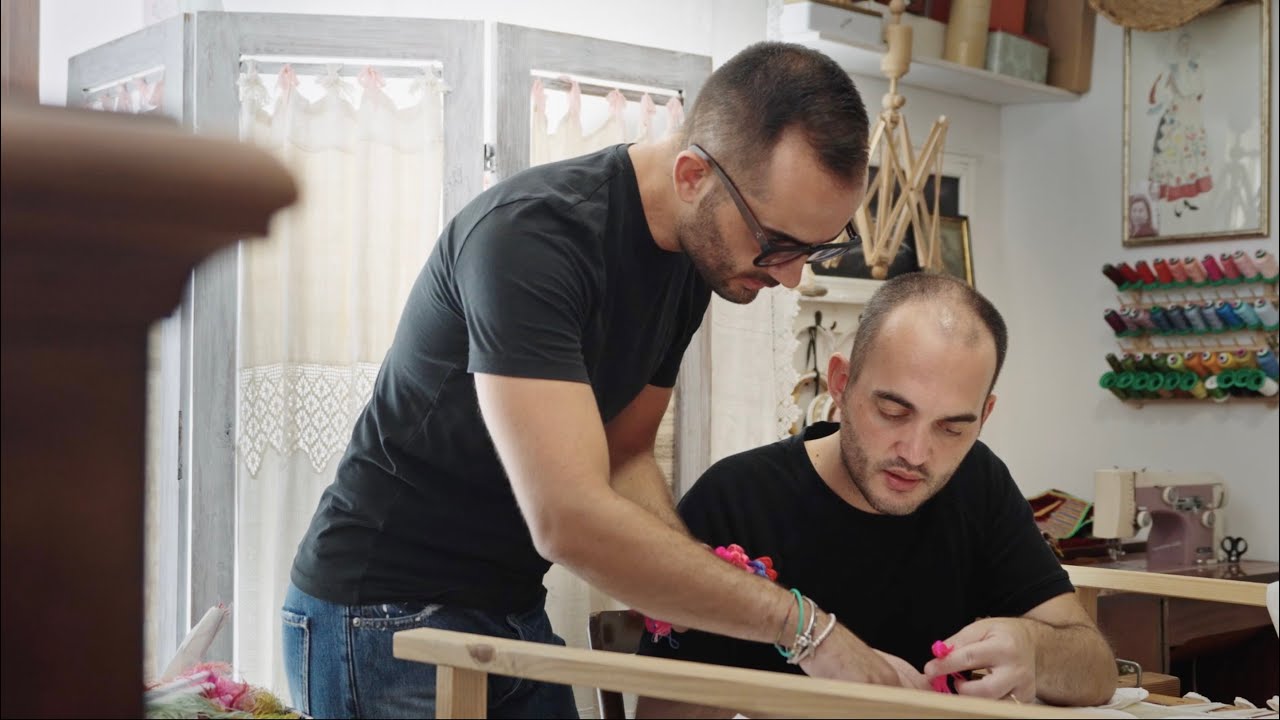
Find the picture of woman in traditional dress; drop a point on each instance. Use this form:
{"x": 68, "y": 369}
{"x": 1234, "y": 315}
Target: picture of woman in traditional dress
{"x": 1180, "y": 151}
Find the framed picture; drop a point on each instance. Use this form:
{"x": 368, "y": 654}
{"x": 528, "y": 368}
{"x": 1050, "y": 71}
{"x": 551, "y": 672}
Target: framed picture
{"x": 957, "y": 254}
{"x": 1197, "y": 128}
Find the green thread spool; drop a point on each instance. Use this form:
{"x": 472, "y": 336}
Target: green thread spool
{"x": 1227, "y": 380}
{"x": 1127, "y": 363}
{"x": 1192, "y": 384}
{"x": 1124, "y": 383}
{"x": 1114, "y": 362}
{"x": 1175, "y": 362}
{"x": 1218, "y": 394}
{"x": 1108, "y": 382}
{"x": 1250, "y": 380}
{"x": 1168, "y": 384}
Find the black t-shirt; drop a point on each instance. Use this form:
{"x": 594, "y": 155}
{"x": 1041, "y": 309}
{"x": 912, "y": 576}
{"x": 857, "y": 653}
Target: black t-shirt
{"x": 551, "y": 274}
{"x": 897, "y": 582}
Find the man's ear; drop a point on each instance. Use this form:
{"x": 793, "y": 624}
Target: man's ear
{"x": 837, "y": 374}
{"x": 986, "y": 410}
{"x": 689, "y": 174}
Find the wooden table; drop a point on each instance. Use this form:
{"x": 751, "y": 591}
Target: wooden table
{"x": 1218, "y": 649}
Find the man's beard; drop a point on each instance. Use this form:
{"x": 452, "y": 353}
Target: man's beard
{"x": 707, "y": 250}
{"x": 858, "y": 465}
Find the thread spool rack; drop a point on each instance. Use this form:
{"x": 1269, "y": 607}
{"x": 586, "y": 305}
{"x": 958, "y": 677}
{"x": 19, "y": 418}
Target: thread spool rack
{"x": 1139, "y": 298}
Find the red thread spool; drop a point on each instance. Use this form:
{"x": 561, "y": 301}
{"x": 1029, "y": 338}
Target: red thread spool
{"x": 1162, "y": 271}
{"x": 1195, "y": 270}
{"x": 1145, "y": 273}
{"x": 1177, "y": 270}
{"x": 1229, "y": 266}
{"x": 1211, "y": 268}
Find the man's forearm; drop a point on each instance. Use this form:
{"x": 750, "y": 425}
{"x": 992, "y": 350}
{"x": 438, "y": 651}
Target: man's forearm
{"x": 641, "y": 481}
{"x": 1074, "y": 665}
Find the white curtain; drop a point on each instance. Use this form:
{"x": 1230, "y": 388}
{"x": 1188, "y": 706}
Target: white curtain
{"x": 570, "y": 600}
{"x": 320, "y": 299}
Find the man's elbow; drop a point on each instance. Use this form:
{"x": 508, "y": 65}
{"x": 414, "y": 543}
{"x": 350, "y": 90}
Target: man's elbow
{"x": 560, "y": 533}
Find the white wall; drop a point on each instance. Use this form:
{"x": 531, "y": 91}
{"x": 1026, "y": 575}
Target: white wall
{"x": 1052, "y": 424}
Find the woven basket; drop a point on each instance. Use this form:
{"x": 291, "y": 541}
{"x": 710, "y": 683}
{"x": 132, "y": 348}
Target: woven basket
{"x": 1153, "y": 15}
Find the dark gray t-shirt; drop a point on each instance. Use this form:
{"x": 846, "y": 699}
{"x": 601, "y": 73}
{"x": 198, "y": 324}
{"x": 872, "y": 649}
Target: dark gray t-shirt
{"x": 551, "y": 274}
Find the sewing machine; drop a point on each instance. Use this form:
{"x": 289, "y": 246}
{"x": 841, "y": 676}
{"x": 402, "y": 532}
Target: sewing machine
{"x": 1182, "y": 510}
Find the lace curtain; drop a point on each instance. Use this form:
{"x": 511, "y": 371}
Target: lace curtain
{"x": 320, "y": 299}
{"x": 613, "y": 119}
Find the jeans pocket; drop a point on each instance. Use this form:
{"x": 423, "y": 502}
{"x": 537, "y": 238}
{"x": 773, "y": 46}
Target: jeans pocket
{"x": 394, "y": 617}
{"x": 297, "y": 658}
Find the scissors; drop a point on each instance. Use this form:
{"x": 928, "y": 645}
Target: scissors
{"x": 1234, "y": 547}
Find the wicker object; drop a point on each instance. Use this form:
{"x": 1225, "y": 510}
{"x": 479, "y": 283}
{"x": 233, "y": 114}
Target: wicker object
{"x": 1152, "y": 15}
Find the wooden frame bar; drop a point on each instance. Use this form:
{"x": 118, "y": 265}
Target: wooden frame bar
{"x": 1089, "y": 580}
{"x": 464, "y": 657}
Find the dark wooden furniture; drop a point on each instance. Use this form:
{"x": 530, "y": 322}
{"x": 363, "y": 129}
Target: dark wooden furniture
{"x": 101, "y": 220}
{"x": 614, "y": 631}
{"x": 1218, "y": 649}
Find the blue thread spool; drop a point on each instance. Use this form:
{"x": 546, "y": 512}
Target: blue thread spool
{"x": 1267, "y": 363}
{"x": 1267, "y": 313}
{"x": 1163, "y": 324}
{"x": 1178, "y": 318}
{"x": 1229, "y": 318}
{"x": 1245, "y": 312}
{"x": 1211, "y": 318}
{"x": 1192, "y": 312}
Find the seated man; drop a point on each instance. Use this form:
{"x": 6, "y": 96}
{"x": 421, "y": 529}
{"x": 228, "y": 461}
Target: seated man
{"x": 900, "y": 523}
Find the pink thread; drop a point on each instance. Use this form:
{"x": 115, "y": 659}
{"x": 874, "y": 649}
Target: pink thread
{"x": 941, "y": 650}
{"x": 734, "y": 555}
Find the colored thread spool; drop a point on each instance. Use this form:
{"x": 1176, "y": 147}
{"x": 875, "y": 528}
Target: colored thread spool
{"x": 1195, "y": 271}
{"x": 1229, "y": 269}
{"x": 1245, "y": 312}
{"x": 1145, "y": 322}
{"x": 1142, "y": 384}
{"x": 1245, "y": 359}
{"x": 1114, "y": 363}
{"x": 1158, "y": 316}
{"x": 1250, "y": 380}
{"x": 1131, "y": 276}
{"x": 1268, "y": 387}
{"x": 1211, "y": 388}
{"x": 1194, "y": 386}
{"x": 1247, "y": 269}
{"x": 1192, "y": 312}
{"x": 1116, "y": 322}
{"x": 1134, "y": 322}
{"x": 1179, "y": 272}
{"x": 1125, "y": 381}
{"x": 1126, "y": 362}
{"x": 1210, "y": 362}
{"x": 1172, "y": 382}
{"x": 1175, "y": 362}
{"x": 1211, "y": 318}
{"x": 1161, "y": 268}
{"x": 1226, "y": 361}
{"x": 1142, "y": 362}
{"x": 1113, "y": 273}
{"x": 1229, "y": 318}
{"x": 1191, "y": 360}
{"x": 1266, "y": 264}
{"x": 1211, "y": 269}
{"x": 1267, "y": 363}
{"x": 1266, "y": 312}
{"x": 1108, "y": 382}
{"x": 1145, "y": 273}
{"x": 1178, "y": 317}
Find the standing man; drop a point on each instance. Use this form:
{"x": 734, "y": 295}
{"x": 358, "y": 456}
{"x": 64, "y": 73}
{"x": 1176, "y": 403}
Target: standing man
{"x": 513, "y": 420}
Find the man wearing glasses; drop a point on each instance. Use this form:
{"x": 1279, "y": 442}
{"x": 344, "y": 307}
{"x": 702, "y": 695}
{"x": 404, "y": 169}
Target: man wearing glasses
{"x": 513, "y": 421}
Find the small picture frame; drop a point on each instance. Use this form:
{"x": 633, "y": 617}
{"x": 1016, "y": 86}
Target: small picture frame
{"x": 1197, "y": 106}
{"x": 955, "y": 248}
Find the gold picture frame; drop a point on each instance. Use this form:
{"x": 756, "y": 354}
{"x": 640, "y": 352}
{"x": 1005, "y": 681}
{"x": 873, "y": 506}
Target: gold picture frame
{"x": 1196, "y": 159}
{"x": 955, "y": 248}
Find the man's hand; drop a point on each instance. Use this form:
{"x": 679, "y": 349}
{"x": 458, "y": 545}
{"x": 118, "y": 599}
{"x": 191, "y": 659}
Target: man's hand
{"x": 843, "y": 656}
{"x": 908, "y": 676}
{"x": 1004, "y": 646}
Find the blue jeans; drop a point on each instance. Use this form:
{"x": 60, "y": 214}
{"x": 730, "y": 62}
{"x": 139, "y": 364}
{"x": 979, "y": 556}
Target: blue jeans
{"x": 339, "y": 662}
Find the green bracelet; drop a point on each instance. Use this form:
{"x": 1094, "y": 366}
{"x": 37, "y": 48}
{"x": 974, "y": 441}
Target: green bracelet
{"x": 799, "y": 623}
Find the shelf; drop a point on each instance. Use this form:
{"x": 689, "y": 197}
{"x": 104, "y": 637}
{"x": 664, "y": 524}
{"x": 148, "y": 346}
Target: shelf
{"x": 842, "y": 291}
{"x": 824, "y": 31}
{"x": 1243, "y": 399}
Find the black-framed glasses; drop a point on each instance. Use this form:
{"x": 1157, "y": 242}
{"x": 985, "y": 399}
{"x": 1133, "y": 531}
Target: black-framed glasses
{"x": 780, "y": 252}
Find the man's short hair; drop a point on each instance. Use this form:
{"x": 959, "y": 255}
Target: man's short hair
{"x": 928, "y": 287}
{"x": 768, "y": 88}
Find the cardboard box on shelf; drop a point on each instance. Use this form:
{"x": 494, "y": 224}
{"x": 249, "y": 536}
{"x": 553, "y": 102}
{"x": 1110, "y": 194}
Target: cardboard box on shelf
{"x": 1017, "y": 56}
{"x": 1066, "y": 27}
